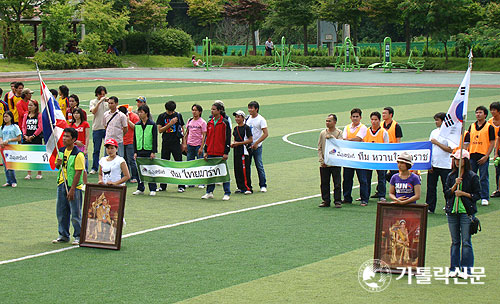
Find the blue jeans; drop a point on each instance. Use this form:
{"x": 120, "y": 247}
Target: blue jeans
{"x": 97, "y": 138}
{"x": 226, "y": 185}
{"x": 347, "y": 183}
{"x": 459, "y": 225}
{"x": 68, "y": 209}
{"x": 129, "y": 158}
{"x": 483, "y": 177}
{"x": 257, "y": 156}
{"x": 10, "y": 175}
{"x": 192, "y": 152}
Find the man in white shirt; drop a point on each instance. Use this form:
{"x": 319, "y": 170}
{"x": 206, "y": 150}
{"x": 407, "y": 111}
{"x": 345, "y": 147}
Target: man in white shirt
{"x": 259, "y": 131}
{"x": 355, "y": 131}
{"x": 98, "y": 106}
{"x": 115, "y": 123}
{"x": 441, "y": 162}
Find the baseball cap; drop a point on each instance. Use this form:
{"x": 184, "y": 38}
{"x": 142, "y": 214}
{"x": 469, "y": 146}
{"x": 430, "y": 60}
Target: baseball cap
{"x": 111, "y": 141}
{"x": 141, "y": 99}
{"x": 239, "y": 112}
{"x": 27, "y": 91}
{"x": 465, "y": 154}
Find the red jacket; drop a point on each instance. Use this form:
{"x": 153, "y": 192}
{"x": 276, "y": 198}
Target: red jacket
{"x": 218, "y": 140}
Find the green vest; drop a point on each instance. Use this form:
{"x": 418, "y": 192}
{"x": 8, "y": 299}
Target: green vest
{"x": 70, "y": 167}
{"x": 144, "y": 137}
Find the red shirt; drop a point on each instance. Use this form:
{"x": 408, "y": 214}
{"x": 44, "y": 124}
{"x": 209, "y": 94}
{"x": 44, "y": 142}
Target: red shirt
{"x": 128, "y": 138}
{"x": 81, "y": 131}
{"x": 22, "y": 108}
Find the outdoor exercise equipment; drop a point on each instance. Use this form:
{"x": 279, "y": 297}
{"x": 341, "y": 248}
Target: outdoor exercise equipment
{"x": 388, "y": 65}
{"x": 207, "y": 55}
{"x": 282, "y": 60}
{"x": 348, "y": 52}
{"x": 415, "y": 64}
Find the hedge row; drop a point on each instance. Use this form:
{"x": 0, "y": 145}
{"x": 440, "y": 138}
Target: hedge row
{"x": 57, "y": 61}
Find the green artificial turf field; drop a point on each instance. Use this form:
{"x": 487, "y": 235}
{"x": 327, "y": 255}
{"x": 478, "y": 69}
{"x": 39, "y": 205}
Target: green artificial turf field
{"x": 288, "y": 252}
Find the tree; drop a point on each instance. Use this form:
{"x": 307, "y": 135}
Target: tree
{"x": 208, "y": 12}
{"x": 100, "y": 19}
{"x": 296, "y": 13}
{"x": 147, "y": 15}
{"x": 451, "y": 17}
{"x": 250, "y": 12}
{"x": 343, "y": 12}
{"x": 56, "y": 20}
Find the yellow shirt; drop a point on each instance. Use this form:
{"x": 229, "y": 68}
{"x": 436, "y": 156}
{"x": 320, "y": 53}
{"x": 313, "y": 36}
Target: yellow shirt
{"x": 79, "y": 165}
{"x": 13, "y": 108}
{"x": 63, "y": 105}
{"x": 2, "y": 111}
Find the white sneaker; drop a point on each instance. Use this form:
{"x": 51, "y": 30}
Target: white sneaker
{"x": 76, "y": 241}
{"x": 138, "y": 192}
{"x": 152, "y": 193}
{"x": 180, "y": 190}
{"x": 463, "y": 275}
{"x": 485, "y": 202}
{"x": 226, "y": 197}
{"x": 201, "y": 186}
{"x": 92, "y": 171}
{"x": 453, "y": 274}
{"x": 248, "y": 192}
{"x": 208, "y": 196}
{"x": 27, "y": 176}
{"x": 263, "y": 189}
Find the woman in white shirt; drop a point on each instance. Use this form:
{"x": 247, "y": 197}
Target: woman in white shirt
{"x": 112, "y": 167}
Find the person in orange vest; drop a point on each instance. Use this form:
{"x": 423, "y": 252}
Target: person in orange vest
{"x": 355, "y": 131}
{"x": 395, "y": 134}
{"x": 495, "y": 122}
{"x": 376, "y": 134}
{"x": 480, "y": 141}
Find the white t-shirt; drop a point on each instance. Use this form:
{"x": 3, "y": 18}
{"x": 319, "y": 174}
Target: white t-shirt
{"x": 440, "y": 158}
{"x": 256, "y": 124}
{"x": 111, "y": 170}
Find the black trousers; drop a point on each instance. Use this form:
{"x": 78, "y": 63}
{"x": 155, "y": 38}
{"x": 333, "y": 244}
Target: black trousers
{"x": 325, "y": 174}
{"x": 171, "y": 149}
{"x": 432, "y": 180}
{"x": 242, "y": 171}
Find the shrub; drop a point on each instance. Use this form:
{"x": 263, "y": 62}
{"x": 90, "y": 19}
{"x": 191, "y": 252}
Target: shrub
{"x": 135, "y": 43}
{"x": 233, "y": 52}
{"x": 92, "y": 44}
{"x": 218, "y": 50}
{"x": 19, "y": 45}
{"x": 171, "y": 42}
{"x": 57, "y": 61}
{"x": 240, "y": 53}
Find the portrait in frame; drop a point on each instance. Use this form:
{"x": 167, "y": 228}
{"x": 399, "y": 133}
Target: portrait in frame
{"x": 400, "y": 235}
{"x": 102, "y": 218}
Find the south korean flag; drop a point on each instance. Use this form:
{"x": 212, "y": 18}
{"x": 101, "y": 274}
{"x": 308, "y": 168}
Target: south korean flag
{"x": 452, "y": 124}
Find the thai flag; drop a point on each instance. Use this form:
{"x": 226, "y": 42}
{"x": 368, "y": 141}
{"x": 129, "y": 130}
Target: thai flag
{"x": 53, "y": 122}
{"x": 451, "y": 128}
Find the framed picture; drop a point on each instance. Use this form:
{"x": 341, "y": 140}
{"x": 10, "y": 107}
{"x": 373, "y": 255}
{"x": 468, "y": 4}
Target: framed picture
{"x": 400, "y": 235}
{"x": 102, "y": 218}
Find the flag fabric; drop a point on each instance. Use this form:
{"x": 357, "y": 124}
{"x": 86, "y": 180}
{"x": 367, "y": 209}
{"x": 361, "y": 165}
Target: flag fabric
{"x": 452, "y": 125}
{"x": 53, "y": 121}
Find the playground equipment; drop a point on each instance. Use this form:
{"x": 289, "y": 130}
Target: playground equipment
{"x": 207, "y": 55}
{"x": 282, "y": 60}
{"x": 348, "y": 52}
{"x": 388, "y": 65}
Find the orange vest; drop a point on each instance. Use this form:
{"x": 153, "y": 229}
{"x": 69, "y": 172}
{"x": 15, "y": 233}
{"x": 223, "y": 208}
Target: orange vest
{"x": 496, "y": 128}
{"x": 374, "y": 138}
{"x": 392, "y": 132}
{"x": 353, "y": 134}
{"x": 479, "y": 140}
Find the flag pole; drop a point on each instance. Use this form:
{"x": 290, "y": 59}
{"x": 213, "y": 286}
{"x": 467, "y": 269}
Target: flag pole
{"x": 469, "y": 66}
{"x": 51, "y": 122}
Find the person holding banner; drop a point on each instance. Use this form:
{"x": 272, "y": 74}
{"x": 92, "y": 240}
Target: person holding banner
{"x": 376, "y": 134}
{"x": 480, "y": 141}
{"x": 355, "y": 131}
{"x": 441, "y": 162}
{"x": 495, "y": 122}
{"x": 405, "y": 186}
{"x": 460, "y": 212}
{"x": 395, "y": 134}
{"x": 32, "y": 128}
{"x": 10, "y": 134}
{"x": 71, "y": 163}
{"x": 326, "y": 171}
{"x": 196, "y": 133}
{"x": 145, "y": 144}
{"x": 218, "y": 144}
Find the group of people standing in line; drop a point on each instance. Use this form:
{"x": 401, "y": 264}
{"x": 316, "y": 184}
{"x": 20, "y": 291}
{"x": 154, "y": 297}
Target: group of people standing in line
{"x": 460, "y": 192}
